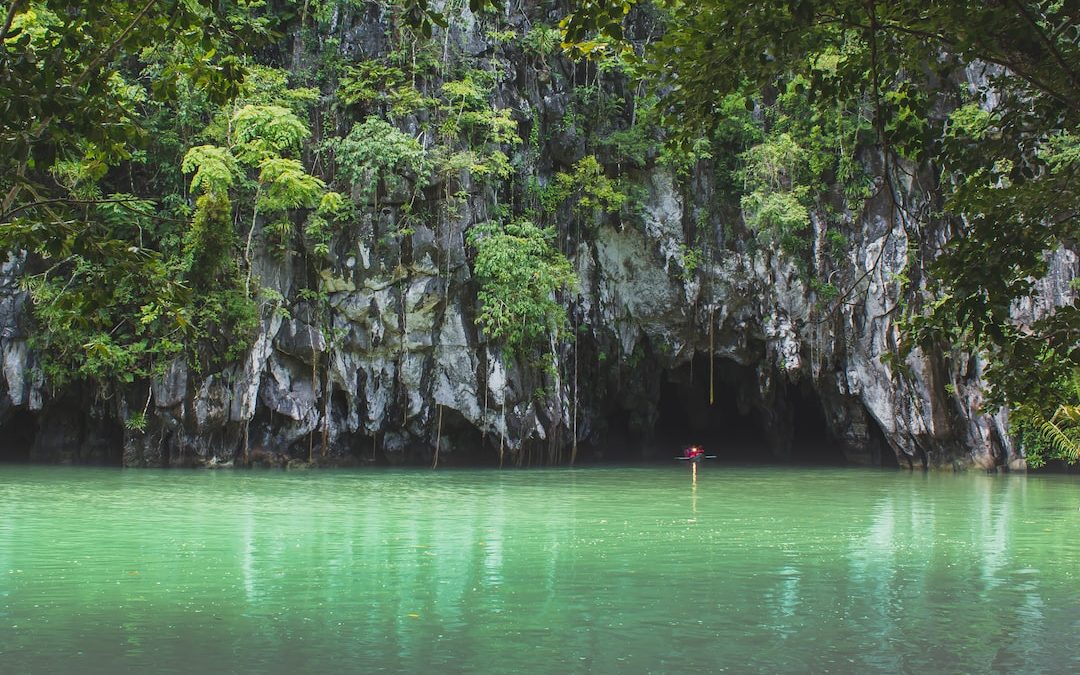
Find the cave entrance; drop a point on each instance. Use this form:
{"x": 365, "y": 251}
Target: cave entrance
{"x": 735, "y": 429}
{"x": 461, "y": 443}
{"x": 811, "y": 441}
{"x": 728, "y": 428}
{"x": 881, "y": 454}
{"x": 17, "y": 436}
{"x": 621, "y": 440}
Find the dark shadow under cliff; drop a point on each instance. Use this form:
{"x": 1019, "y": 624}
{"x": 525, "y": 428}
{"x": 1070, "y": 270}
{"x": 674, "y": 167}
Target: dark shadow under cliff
{"x": 725, "y": 423}
{"x": 719, "y": 408}
{"x": 63, "y": 433}
{"x": 17, "y": 436}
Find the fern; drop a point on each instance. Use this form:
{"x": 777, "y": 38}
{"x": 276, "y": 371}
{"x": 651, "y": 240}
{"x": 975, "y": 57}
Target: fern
{"x": 1065, "y": 442}
{"x": 214, "y": 167}
{"x": 376, "y": 150}
{"x": 264, "y": 131}
{"x": 287, "y": 186}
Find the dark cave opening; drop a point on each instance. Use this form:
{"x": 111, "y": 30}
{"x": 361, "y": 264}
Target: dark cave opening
{"x": 618, "y": 439}
{"x": 17, "y": 435}
{"x": 731, "y": 426}
{"x": 61, "y": 434}
{"x": 811, "y": 441}
{"x": 103, "y": 444}
{"x": 460, "y": 443}
{"x": 359, "y": 448}
{"x": 728, "y": 427}
{"x": 881, "y": 452}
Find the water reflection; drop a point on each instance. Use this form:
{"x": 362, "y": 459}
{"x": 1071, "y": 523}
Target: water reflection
{"x": 547, "y": 571}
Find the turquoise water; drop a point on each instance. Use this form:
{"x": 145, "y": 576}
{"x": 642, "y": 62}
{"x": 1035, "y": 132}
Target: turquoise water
{"x": 605, "y": 570}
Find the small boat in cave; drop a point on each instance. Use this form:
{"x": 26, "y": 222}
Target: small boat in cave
{"x": 695, "y": 455}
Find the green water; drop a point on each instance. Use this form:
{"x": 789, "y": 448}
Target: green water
{"x": 620, "y": 570}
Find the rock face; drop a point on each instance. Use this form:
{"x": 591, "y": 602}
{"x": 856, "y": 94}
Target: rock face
{"x": 737, "y": 353}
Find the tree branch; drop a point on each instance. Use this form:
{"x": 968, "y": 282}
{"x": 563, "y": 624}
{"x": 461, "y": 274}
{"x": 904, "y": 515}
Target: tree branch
{"x": 115, "y": 44}
{"x": 999, "y": 60}
{"x": 12, "y": 10}
{"x": 982, "y": 54}
{"x": 63, "y": 200}
{"x": 1047, "y": 41}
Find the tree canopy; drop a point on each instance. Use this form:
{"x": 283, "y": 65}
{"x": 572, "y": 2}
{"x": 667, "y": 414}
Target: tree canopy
{"x": 986, "y": 95}
{"x": 78, "y": 86}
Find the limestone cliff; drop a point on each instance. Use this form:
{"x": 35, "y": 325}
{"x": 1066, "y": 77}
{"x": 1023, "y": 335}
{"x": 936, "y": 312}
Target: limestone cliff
{"x": 733, "y": 349}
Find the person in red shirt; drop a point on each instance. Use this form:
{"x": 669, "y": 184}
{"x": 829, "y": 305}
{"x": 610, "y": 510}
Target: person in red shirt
{"x": 694, "y": 453}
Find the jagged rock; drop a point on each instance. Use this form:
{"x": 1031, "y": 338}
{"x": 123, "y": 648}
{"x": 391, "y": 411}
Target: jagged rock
{"x": 300, "y": 340}
{"x": 334, "y": 284}
{"x": 171, "y": 388}
{"x": 290, "y": 390}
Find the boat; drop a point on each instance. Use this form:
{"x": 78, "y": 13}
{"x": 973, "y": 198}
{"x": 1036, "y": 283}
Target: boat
{"x": 695, "y": 455}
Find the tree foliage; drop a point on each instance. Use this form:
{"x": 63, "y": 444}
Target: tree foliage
{"x": 75, "y": 81}
{"x": 1004, "y": 157}
{"x": 520, "y": 272}
{"x": 376, "y": 153}
{"x": 775, "y": 197}
{"x": 214, "y": 168}
{"x": 263, "y": 132}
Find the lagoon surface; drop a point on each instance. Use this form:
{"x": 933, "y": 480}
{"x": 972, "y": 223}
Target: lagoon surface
{"x": 603, "y": 570}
